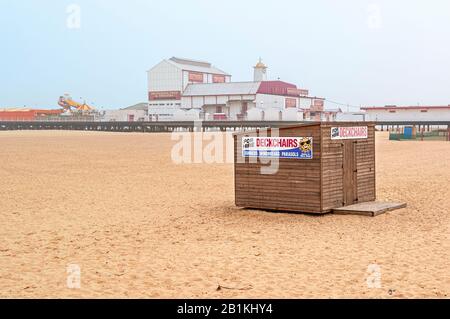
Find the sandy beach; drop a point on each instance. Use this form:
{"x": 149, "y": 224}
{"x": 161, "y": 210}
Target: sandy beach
{"x": 138, "y": 225}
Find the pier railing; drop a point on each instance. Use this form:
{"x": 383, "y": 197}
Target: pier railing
{"x": 191, "y": 125}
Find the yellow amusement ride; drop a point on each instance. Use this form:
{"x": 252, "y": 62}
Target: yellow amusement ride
{"x": 68, "y": 104}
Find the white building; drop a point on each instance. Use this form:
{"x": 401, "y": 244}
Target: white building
{"x": 168, "y": 79}
{"x": 263, "y": 101}
{"x": 134, "y": 113}
{"x": 407, "y": 113}
{"x": 181, "y": 89}
{"x": 221, "y": 101}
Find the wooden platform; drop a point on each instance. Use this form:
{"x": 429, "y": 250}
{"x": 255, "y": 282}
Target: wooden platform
{"x": 369, "y": 209}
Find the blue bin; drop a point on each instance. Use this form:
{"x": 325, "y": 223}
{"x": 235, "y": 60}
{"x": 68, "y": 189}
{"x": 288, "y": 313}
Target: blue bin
{"x": 408, "y": 133}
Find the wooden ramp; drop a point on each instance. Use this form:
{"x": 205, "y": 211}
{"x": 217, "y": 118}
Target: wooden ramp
{"x": 369, "y": 209}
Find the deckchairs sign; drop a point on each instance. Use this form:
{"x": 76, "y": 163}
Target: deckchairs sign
{"x": 349, "y": 133}
{"x": 278, "y": 147}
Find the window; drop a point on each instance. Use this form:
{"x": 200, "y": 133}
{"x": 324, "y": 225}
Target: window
{"x": 244, "y": 107}
{"x": 219, "y": 109}
{"x": 424, "y": 111}
{"x": 392, "y": 111}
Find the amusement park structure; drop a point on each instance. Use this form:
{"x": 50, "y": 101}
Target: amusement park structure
{"x": 68, "y": 104}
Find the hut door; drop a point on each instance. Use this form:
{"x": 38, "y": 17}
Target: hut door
{"x": 349, "y": 173}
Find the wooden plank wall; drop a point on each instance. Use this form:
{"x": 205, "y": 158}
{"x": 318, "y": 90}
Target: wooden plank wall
{"x": 296, "y": 186}
{"x": 332, "y": 171}
{"x": 366, "y": 176}
{"x": 332, "y": 168}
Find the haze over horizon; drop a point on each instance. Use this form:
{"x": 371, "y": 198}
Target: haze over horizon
{"x": 358, "y": 52}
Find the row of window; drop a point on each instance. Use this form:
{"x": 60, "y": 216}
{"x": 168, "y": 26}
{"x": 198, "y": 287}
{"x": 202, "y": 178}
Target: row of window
{"x": 164, "y": 104}
{"x": 394, "y": 111}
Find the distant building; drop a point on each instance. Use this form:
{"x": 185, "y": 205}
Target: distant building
{"x": 134, "y": 113}
{"x": 180, "y": 89}
{"x": 407, "y": 113}
{"x": 168, "y": 79}
{"x": 26, "y": 114}
{"x": 267, "y": 100}
{"x": 137, "y": 107}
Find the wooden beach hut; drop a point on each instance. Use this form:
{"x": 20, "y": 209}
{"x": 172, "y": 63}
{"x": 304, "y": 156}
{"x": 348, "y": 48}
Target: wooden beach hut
{"x": 311, "y": 168}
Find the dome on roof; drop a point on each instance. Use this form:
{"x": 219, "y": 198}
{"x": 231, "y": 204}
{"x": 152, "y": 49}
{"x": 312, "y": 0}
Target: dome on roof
{"x": 260, "y": 65}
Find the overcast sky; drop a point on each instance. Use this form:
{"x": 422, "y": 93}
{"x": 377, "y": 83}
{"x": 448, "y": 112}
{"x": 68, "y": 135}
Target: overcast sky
{"x": 351, "y": 51}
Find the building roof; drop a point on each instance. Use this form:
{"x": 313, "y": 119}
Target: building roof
{"x": 277, "y": 88}
{"x": 25, "y": 109}
{"x": 137, "y": 107}
{"x": 394, "y": 107}
{"x": 241, "y": 88}
{"x": 191, "y": 62}
{"x": 15, "y": 109}
{"x": 195, "y": 66}
{"x": 230, "y": 88}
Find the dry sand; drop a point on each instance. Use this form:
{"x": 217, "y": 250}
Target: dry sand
{"x": 140, "y": 226}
